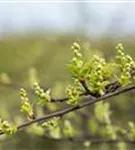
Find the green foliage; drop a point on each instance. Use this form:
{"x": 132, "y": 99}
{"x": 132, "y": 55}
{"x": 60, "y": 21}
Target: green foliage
{"x": 26, "y": 107}
{"x": 122, "y": 145}
{"x": 102, "y": 111}
{"x": 35, "y": 129}
{"x": 131, "y": 132}
{"x": 44, "y": 97}
{"x": 93, "y": 126}
{"x": 68, "y": 130}
{"x": 97, "y": 74}
{"x": 73, "y": 95}
{"x": 52, "y": 126}
{"x": 126, "y": 64}
{"x": 76, "y": 63}
{"x": 6, "y": 128}
{"x": 4, "y": 78}
{"x": 51, "y": 123}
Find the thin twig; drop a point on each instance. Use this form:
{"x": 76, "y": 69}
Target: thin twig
{"x": 53, "y": 100}
{"x": 87, "y": 89}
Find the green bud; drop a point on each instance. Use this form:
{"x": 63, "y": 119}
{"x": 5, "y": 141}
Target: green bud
{"x": 96, "y": 57}
{"x": 35, "y": 85}
{"x": 22, "y": 92}
{"x": 75, "y": 46}
{"x": 119, "y": 46}
{"x": 129, "y": 58}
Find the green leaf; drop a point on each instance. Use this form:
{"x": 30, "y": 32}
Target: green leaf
{"x": 85, "y": 70}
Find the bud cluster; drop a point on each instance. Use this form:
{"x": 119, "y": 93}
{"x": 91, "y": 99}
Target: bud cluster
{"x": 6, "y": 128}
{"x": 73, "y": 95}
{"x": 26, "y": 106}
{"x": 43, "y": 96}
{"x": 52, "y": 123}
{"x": 96, "y": 77}
{"x": 76, "y": 63}
{"x": 126, "y": 65}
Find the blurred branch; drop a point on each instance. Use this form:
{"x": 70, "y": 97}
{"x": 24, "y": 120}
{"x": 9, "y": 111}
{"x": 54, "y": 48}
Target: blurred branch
{"x": 10, "y": 85}
{"x": 17, "y": 87}
{"x": 89, "y": 139}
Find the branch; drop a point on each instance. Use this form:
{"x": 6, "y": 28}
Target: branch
{"x": 109, "y": 88}
{"x": 87, "y": 89}
{"x": 63, "y": 112}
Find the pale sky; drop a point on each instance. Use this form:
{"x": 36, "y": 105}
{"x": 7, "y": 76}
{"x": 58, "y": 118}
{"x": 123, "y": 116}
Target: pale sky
{"x": 67, "y": 16}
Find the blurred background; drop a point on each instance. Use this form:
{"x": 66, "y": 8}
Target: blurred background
{"x": 35, "y": 41}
